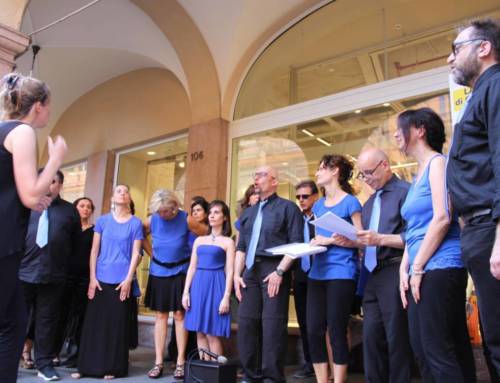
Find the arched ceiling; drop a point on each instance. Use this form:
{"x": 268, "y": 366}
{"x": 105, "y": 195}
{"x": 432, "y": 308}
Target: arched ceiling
{"x": 206, "y": 44}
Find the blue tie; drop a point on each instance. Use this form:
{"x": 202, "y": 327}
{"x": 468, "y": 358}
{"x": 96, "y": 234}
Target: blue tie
{"x": 371, "y": 251}
{"x": 305, "y": 262}
{"x": 254, "y": 240}
{"x": 42, "y": 233}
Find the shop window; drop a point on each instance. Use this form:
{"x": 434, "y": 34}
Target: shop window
{"x": 74, "y": 181}
{"x": 351, "y": 44}
{"x": 146, "y": 170}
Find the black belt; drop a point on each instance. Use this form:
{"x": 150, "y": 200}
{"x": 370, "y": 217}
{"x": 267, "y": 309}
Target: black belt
{"x": 170, "y": 265}
{"x": 475, "y": 213}
{"x": 381, "y": 263}
{"x": 263, "y": 258}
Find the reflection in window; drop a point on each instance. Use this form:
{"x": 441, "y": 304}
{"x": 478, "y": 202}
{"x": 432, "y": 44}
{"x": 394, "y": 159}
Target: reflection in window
{"x": 74, "y": 181}
{"x": 351, "y": 44}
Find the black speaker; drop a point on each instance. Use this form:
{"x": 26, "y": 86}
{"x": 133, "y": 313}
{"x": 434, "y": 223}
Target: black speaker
{"x": 202, "y": 371}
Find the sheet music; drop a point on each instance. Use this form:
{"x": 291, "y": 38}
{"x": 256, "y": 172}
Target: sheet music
{"x": 296, "y": 250}
{"x": 335, "y": 224}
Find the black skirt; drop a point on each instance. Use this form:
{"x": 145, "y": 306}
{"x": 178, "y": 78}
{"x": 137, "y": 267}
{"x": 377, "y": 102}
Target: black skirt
{"x": 164, "y": 294}
{"x": 104, "y": 345}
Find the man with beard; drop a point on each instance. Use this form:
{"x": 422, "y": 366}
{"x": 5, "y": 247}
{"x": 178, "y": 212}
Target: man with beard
{"x": 264, "y": 288}
{"x": 473, "y": 171}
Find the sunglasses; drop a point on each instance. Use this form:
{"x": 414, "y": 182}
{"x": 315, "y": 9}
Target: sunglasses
{"x": 302, "y": 196}
{"x": 455, "y": 45}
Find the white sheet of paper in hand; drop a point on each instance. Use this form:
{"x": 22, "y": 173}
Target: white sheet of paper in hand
{"x": 335, "y": 224}
{"x": 296, "y": 250}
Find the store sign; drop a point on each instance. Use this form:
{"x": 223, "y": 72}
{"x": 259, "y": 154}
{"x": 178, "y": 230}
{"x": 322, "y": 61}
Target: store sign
{"x": 458, "y": 96}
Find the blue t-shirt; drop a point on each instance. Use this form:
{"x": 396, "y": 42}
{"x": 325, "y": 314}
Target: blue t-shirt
{"x": 115, "y": 253}
{"x": 170, "y": 244}
{"x": 417, "y": 212}
{"x": 337, "y": 262}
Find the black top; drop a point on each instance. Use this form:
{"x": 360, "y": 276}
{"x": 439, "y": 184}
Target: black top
{"x": 300, "y": 275}
{"x": 50, "y": 263}
{"x": 13, "y": 213}
{"x": 78, "y": 263}
{"x": 391, "y": 222}
{"x": 282, "y": 223}
{"x": 473, "y": 172}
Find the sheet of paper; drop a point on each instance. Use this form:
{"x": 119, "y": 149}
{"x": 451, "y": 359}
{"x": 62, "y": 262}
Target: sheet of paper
{"x": 296, "y": 250}
{"x": 335, "y": 224}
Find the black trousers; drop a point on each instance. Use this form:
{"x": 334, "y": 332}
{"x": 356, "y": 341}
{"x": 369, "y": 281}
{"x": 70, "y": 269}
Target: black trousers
{"x": 262, "y": 324}
{"x": 477, "y": 241}
{"x": 46, "y": 303}
{"x": 300, "y": 296}
{"x": 438, "y": 328}
{"x": 329, "y": 305}
{"x": 386, "y": 344}
{"x": 13, "y": 318}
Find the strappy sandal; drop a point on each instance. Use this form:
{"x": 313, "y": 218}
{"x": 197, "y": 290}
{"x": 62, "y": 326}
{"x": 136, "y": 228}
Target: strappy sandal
{"x": 156, "y": 371}
{"x": 179, "y": 372}
{"x": 28, "y": 363}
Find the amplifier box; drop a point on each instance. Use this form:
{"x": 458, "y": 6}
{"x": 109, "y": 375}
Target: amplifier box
{"x": 202, "y": 371}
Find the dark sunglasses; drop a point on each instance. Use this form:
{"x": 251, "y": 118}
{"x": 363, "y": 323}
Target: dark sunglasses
{"x": 456, "y": 44}
{"x": 302, "y": 196}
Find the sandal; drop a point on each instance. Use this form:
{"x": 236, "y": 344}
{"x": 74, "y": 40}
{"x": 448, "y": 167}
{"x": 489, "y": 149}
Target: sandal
{"x": 156, "y": 371}
{"x": 179, "y": 372}
{"x": 28, "y": 363}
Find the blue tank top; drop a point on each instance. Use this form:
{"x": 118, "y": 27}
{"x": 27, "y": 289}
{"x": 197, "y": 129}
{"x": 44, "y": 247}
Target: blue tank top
{"x": 170, "y": 244}
{"x": 211, "y": 257}
{"x": 337, "y": 262}
{"x": 417, "y": 212}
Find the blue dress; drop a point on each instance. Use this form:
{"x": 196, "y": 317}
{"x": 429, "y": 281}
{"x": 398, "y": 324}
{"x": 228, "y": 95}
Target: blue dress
{"x": 207, "y": 291}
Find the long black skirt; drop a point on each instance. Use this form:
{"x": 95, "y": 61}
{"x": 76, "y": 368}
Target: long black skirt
{"x": 104, "y": 345}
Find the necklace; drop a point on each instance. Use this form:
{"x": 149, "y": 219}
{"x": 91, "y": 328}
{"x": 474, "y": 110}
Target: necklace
{"x": 213, "y": 235}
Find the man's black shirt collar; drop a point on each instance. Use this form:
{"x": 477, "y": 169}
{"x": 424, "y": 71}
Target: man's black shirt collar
{"x": 486, "y": 75}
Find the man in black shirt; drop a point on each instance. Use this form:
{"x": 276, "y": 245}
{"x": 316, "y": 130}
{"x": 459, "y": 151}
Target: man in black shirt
{"x": 43, "y": 272}
{"x": 386, "y": 344}
{"x": 306, "y": 193}
{"x": 264, "y": 288}
{"x": 473, "y": 171}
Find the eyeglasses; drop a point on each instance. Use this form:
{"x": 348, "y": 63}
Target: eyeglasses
{"x": 368, "y": 173}
{"x": 261, "y": 175}
{"x": 456, "y": 44}
{"x": 302, "y": 196}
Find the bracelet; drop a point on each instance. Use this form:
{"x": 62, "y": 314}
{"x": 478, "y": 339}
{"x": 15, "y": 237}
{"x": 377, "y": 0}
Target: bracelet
{"x": 418, "y": 272}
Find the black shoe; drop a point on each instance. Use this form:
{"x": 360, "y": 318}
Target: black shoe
{"x": 48, "y": 373}
{"x": 305, "y": 372}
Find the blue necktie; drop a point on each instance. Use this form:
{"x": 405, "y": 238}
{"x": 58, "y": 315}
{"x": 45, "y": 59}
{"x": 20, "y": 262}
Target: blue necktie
{"x": 305, "y": 262}
{"x": 42, "y": 233}
{"x": 254, "y": 239}
{"x": 371, "y": 251}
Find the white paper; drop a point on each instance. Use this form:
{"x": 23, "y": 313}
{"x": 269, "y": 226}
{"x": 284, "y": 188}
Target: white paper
{"x": 296, "y": 250}
{"x": 335, "y": 224}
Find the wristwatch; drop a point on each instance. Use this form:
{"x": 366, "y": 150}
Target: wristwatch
{"x": 280, "y": 272}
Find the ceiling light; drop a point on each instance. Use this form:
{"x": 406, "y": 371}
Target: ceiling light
{"x": 284, "y": 163}
{"x": 151, "y": 153}
{"x": 358, "y": 111}
{"x": 307, "y": 132}
{"x": 386, "y": 104}
{"x": 182, "y": 164}
{"x": 72, "y": 173}
{"x": 326, "y": 143}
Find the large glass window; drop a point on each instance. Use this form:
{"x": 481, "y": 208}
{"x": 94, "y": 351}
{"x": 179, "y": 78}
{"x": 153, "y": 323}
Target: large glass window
{"x": 296, "y": 150}
{"x": 353, "y": 43}
{"x": 146, "y": 170}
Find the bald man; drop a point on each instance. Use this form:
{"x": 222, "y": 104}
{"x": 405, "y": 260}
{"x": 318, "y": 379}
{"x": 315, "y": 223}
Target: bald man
{"x": 386, "y": 345}
{"x": 263, "y": 289}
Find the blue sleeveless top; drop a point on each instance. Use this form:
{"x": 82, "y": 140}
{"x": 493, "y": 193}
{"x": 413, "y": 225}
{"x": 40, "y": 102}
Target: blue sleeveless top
{"x": 337, "y": 262}
{"x": 211, "y": 257}
{"x": 170, "y": 244}
{"x": 417, "y": 212}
